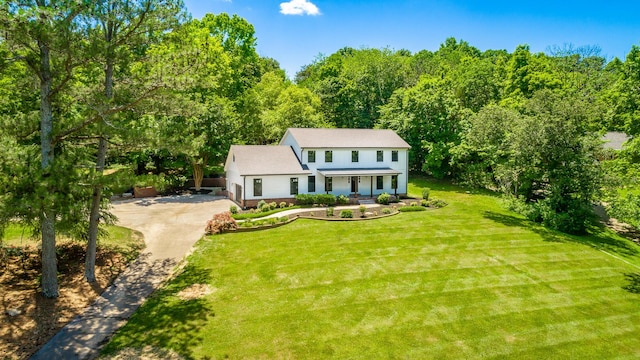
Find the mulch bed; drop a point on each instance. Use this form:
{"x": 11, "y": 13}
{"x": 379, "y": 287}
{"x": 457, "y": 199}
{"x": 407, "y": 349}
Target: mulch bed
{"x": 40, "y": 318}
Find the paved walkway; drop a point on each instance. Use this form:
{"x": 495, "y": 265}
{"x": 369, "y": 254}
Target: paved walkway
{"x": 170, "y": 225}
{"x": 302, "y": 210}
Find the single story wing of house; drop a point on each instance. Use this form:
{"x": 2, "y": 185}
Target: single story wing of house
{"x": 351, "y": 162}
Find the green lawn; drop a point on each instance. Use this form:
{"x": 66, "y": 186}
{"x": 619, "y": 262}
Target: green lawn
{"x": 117, "y": 237}
{"x": 470, "y": 280}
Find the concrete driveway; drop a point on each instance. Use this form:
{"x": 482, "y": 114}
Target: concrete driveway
{"x": 171, "y": 226}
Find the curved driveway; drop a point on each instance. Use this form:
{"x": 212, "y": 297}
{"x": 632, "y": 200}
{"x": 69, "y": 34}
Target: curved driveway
{"x": 171, "y": 226}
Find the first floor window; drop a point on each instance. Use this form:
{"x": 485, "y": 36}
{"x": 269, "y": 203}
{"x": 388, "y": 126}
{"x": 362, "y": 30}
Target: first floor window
{"x": 328, "y": 184}
{"x": 257, "y": 187}
{"x": 379, "y": 156}
{"x": 379, "y": 182}
{"x": 312, "y": 184}
{"x": 294, "y": 186}
{"x": 394, "y": 182}
{"x": 311, "y": 155}
{"x": 394, "y": 155}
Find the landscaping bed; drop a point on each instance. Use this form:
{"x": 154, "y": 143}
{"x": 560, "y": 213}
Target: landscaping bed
{"x": 28, "y": 319}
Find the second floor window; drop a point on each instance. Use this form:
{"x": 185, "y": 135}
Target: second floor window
{"x": 394, "y": 155}
{"x": 328, "y": 156}
{"x": 354, "y": 156}
{"x": 379, "y": 156}
{"x": 311, "y": 155}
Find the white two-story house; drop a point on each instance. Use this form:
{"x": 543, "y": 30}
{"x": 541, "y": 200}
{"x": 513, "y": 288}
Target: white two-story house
{"x": 354, "y": 162}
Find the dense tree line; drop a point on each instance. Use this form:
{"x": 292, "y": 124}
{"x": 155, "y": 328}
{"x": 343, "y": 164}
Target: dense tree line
{"x": 524, "y": 123}
{"x": 137, "y": 85}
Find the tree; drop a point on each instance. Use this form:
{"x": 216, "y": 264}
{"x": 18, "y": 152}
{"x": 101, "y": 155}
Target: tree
{"x": 545, "y": 155}
{"x": 121, "y": 26}
{"x": 294, "y": 107}
{"x": 428, "y": 117}
{"x": 47, "y": 37}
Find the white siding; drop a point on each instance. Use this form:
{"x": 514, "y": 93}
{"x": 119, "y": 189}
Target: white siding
{"x": 278, "y": 186}
{"x": 367, "y": 158}
{"x": 275, "y": 186}
{"x": 290, "y": 141}
{"x": 232, "y": 174}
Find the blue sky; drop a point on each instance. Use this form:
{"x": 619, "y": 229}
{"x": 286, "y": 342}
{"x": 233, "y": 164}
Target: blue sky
{"x": 294, "y": 32}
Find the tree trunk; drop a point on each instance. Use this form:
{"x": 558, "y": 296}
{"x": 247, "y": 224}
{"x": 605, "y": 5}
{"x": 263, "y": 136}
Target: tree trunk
{"x": 47, "y": 216}
{"x": 94, "y": 215}
{"x": 198, "y": 174}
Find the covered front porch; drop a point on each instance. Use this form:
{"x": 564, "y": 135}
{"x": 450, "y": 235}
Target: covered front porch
{"x": 359, "y": 182}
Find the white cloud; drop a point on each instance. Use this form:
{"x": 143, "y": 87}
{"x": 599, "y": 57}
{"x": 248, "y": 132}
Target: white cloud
{"x": 299, "y": 7}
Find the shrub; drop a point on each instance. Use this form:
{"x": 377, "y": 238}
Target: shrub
{"x": 342, "y": 200}
{"x": 424, "y": 202}
{"x": 325, "y": 199}
{"x": 220, "y": 223}
{"x": 283, "y": 205}
{"x": 261, "y": 204}
{"x": 436, "y": 203}
{"x": 246, "y": 224}
{"x": 346, "y": 214}
{"x": 291, "y": 205}
{"x": 233, "y": 209}
{"x": 413, "y": 203}
{"x": 329, "y": 211}
{"x": 362, "y": 210}
{"x": 386, "y": 211}
{"x": 304, "y": 199}
{"x": 283, "y": 219}
{"x": 384, "y": 198}
{"x": 273, "y": 205}
{"x": 425, "y": 193}
{"x": 411, "y": 208}
{"x": 272, "y": 221}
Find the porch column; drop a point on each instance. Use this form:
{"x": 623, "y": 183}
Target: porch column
{"x": 371, "y": 183}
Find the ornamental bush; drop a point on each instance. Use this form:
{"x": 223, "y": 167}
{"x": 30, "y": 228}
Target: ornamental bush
{"x": 329, "y": 211}
{"x": 304, "y": 199}
{"x": 233, "y": 209}
{"x": 325, "y": 199}
{"x": 342, "y": 200}
{"x": 386, "y": 211}
{"x": 220, "y": 223}
{"x": 425, "y": 193}
{"x": 346, "y": 214}
{"x": 384, "y": 198}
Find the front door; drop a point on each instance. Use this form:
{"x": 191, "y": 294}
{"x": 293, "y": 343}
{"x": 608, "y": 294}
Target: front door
{"x": 354, "y": 184}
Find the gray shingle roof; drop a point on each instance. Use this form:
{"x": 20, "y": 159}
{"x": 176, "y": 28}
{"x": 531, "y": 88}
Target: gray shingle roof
{"x": 348, "y": 138}
{"x": 266, "y": 160}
